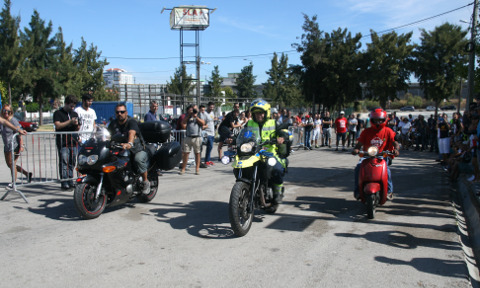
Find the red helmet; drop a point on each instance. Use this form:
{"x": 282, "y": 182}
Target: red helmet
{"x": 378, "y": 118}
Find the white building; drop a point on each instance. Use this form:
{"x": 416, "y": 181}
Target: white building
{"x": 114, "y": 77}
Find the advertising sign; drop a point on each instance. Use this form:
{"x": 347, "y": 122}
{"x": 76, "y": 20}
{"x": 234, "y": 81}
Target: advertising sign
{"x": 190, "y": 18}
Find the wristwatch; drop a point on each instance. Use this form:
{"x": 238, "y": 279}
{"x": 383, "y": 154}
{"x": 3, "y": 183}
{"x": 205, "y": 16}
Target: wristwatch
{"x": 131, "y": 144}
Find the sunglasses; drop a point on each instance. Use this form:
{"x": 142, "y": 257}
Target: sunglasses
{"x": 120, "y": 112}
{"x": 8, "y": 111}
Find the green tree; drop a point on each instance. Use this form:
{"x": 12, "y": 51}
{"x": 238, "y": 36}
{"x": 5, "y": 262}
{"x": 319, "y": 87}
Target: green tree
{"x": 89, "y": 76}
{"x": 215, "y": 86}
{"x": 38, "y": 72}
{"x": 437, "y": 61}
{"x": 12, "y": 55}
{"x": 180, "y": 83}
{"x": 244, "y": 83}
{"x": 387, "y": 70}
{"x": 281, "y": 86}
{"x": 229, "y": 93}
{"x": 331, "y": 64}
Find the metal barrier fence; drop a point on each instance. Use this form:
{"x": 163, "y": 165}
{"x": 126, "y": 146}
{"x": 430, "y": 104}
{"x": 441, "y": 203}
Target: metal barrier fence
{"x": 41, "y": 157}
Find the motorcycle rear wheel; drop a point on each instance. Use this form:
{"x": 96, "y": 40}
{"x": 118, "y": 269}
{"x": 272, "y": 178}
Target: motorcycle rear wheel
{"x": 144, "y": 198}
{"x": 240, "y": 219}
{"x": 84, "y": 198}
{"x": 370, "y": 202}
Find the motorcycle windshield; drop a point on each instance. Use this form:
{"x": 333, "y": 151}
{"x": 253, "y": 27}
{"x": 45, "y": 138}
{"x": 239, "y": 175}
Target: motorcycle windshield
{"x": 248, "y": 134}
{"x": 102, "y": 134}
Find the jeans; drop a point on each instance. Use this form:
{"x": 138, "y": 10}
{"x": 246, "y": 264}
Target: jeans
{"x": 141, "y": 161}
{"x": 209, "y": 148}
{"x": 307, "y": 137}
{"x": 67, "y": 159}
{"x": 357, "y": 173}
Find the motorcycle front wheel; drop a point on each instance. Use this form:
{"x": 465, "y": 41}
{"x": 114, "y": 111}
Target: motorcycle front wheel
{"x": 84, "y": 198}
{"x": 370, "y": 202}
{"x": 240, "y": 218}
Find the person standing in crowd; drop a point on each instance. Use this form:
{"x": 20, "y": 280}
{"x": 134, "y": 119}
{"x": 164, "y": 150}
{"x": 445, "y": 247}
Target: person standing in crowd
{"x": 127, "y": 128}
{"x": 443, "y": 139}
{"x": 352, "y": 130}
{"x": 209, "y": 117}
{"x": 307, "y": 123}
{"x": 421, "y": 129}
{"x": 193, "y": 124}
{"x": 341, "y": 130}
{"x": 65, "y": 119}
{"x": 456, "y": 127}
{"x": 152, "y": 113}
{"x": 10, "y": 126}
{"x": 432, "y": 134}
{"x": 405, "y": 127}
{"x": 225, "y": 129}
{"x": 360, "y": 125}
{"x": 317, "y": 123}
{"x": 326, "y": 125}
{"x": 86, "y": 118}
{"x": 392, "y": 123}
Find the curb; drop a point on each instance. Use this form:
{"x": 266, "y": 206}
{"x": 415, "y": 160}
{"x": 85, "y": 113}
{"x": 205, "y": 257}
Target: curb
{"x": 471, "y": 207}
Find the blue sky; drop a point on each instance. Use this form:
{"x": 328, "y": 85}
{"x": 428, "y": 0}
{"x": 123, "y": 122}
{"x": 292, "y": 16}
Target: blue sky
{"x": 240, "y": 32}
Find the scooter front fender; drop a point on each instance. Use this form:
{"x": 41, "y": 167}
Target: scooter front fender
{"x": 372, "y": 188}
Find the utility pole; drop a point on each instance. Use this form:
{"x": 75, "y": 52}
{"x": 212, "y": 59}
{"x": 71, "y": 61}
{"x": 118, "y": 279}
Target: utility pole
{"x": 471, "y": 62}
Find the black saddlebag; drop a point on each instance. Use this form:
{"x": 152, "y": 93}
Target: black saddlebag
{"x": 155, "y": 131}
{"x": 168, "y": 156}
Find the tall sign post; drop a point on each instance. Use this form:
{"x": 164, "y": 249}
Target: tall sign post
{"x": 471, "y": 48}
{"x": 190, "y": 18}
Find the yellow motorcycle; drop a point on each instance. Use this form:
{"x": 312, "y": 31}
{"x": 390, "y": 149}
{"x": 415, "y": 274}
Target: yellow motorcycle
{"x": 252, "y": 167}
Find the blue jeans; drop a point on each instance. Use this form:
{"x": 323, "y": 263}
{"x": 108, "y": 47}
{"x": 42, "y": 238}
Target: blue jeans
{"x": 209, "y": 148}
{"x": 307, "y": 137}
{"x": 67, "y": 159}
{"x": 357, "y": 172}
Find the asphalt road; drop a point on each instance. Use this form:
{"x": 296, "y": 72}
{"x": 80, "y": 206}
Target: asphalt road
{"x": 319, "y": 237}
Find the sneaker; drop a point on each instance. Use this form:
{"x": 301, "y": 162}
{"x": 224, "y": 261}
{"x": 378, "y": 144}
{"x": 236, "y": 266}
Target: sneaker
{"x": 390, "y": 196}
{"x": 336, "y": 149}
{"x": 9, "y": 186}
{"x": 343, "y": 149}
{"x": 329, "y": 146}
{"x": 316, "y": 146}
{"x": 203, "y": 165}
{"x": 146, "y": 187}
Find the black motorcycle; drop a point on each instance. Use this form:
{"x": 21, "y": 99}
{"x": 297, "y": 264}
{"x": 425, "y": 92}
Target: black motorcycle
{"x": 108, "y": 177}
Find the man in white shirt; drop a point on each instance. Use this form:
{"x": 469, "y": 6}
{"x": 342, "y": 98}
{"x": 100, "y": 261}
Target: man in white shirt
{"x": 86, "y": 118}
{"x": 209, "y": 117}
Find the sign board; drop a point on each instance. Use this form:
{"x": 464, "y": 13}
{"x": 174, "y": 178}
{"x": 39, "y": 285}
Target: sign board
{"x": 190, "y": 18}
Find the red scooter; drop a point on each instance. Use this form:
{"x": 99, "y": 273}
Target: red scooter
{"x": 373, "y": 179}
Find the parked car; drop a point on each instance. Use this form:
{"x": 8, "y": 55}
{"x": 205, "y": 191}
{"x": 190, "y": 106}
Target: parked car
{"x": 29, "y": 126}
{"x": 448, "y": 107}
{"x": 430, "y": 108}
{"x": 407, "y": 108}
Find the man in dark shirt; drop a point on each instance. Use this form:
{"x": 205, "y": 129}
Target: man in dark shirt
{"x": 225, "y": 129}
{"x": 326, "y": 125}
{"x": 127, "y": 129}
{"x": 152, "y": 114}
{"x": 66, "y": 120}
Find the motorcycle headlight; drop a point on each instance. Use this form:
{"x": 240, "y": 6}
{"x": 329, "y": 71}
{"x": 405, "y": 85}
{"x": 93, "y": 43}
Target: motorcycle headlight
{"x": 92, "y": 159}
{"x": 247, "y": 147}
{"x": 372, "y": 151}
{"x": 82, "y": 159}
{"x": 272, "y": 161}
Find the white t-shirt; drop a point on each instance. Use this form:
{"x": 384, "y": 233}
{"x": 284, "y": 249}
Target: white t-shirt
{"x": 209, "y": 121}
{"x": 87, "y": 118}
{"x": 406, "y": 127}
{"x": 317, "y": 124}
